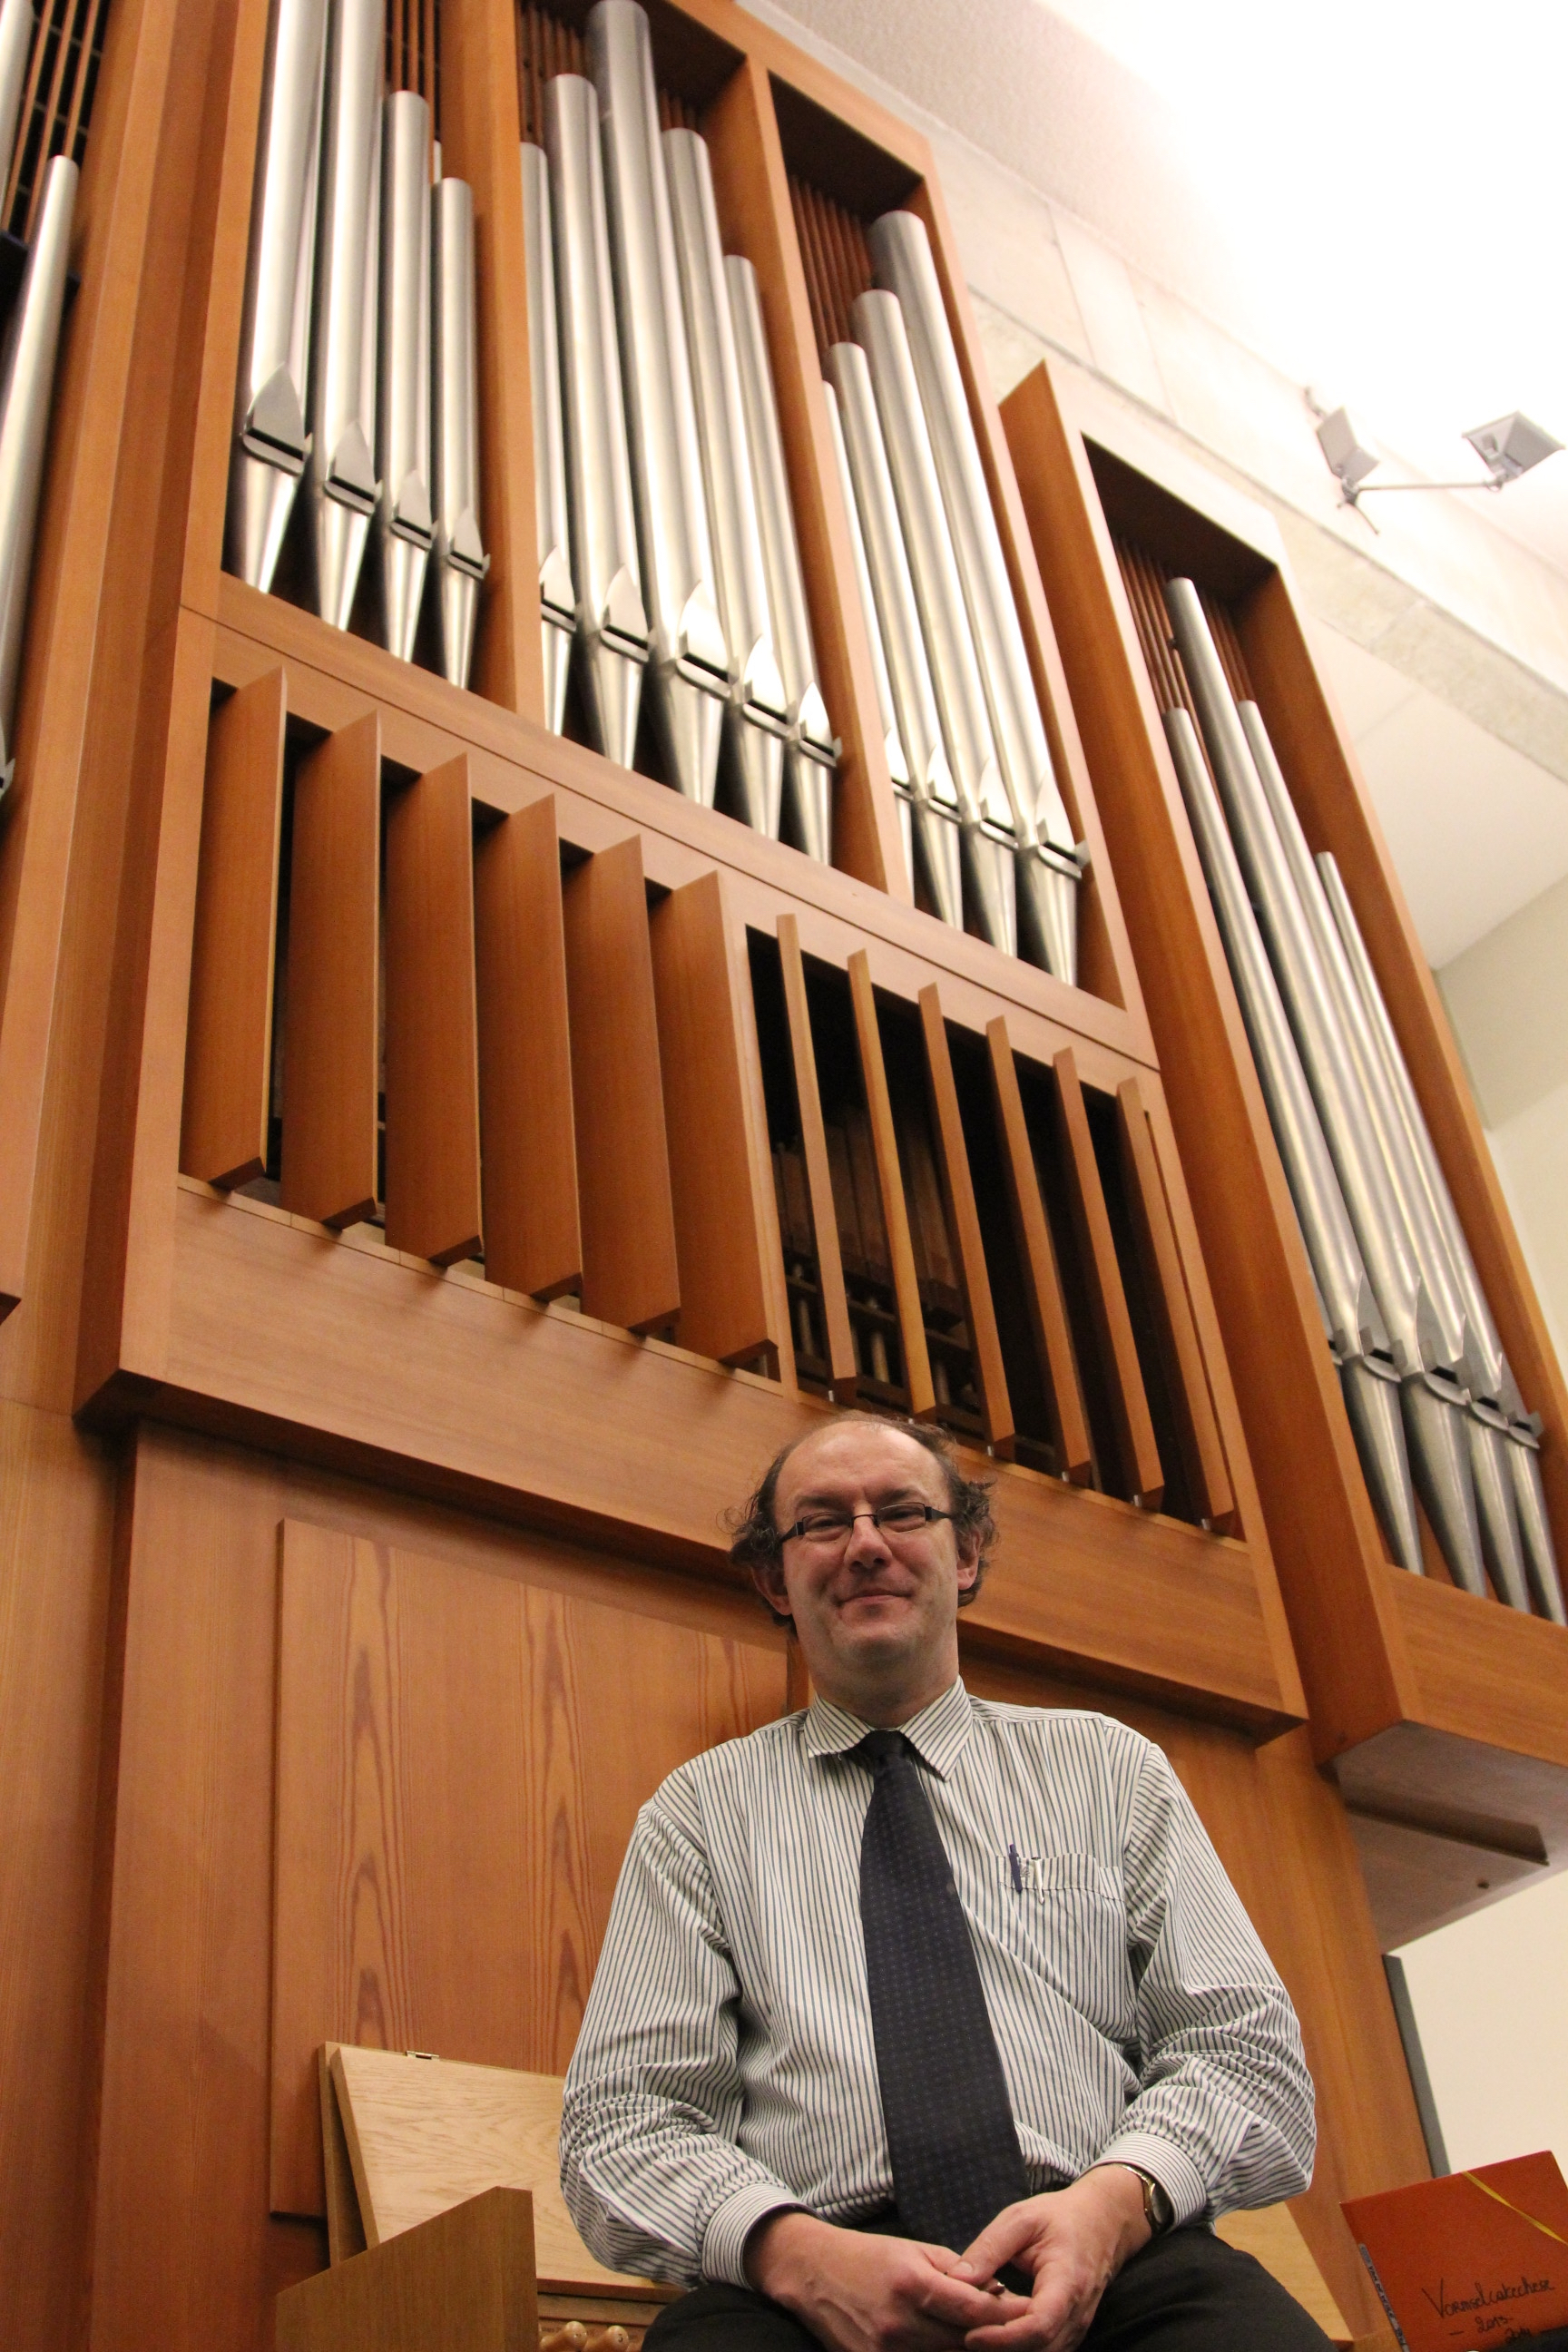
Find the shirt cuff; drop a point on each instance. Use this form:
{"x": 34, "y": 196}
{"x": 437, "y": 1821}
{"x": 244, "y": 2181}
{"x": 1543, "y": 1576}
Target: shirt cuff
{"x": 1174, "y": 2170}
{"x": 731, "y": 2223}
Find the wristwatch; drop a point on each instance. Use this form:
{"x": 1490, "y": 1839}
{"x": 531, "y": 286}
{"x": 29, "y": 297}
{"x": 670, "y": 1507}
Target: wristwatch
{"x": 1158, "y": 2209}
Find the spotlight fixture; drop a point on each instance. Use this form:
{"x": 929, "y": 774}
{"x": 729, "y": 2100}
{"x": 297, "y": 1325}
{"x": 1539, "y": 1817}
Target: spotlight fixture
{"x": 1507, "y": 448}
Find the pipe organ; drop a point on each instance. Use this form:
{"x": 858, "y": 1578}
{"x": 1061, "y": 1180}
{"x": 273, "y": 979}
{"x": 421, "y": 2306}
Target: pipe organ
{"x": 604, "y": 855}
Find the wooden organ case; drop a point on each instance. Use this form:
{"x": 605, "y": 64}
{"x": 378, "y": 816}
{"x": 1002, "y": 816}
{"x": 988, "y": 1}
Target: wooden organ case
{"x": 441, "y": 1168}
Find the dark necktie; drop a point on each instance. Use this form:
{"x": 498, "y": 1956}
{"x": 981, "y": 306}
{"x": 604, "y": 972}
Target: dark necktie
{"x": 950, "y": 2134}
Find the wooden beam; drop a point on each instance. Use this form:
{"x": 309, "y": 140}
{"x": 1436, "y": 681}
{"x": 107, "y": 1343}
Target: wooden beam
{"x": 228, "y": 1040}
{"x": 534, "y": 1237}
{"x": 630, "y": 1268}
{"x": 890, "y": 1189}
{"x": 963, "y": 1223}
{"x": 842, "y": 1373}
{"x": 716, "y": 1177}
{"x": 432, "y": 1044}
{"x": 1164, "y": 1283}
{"x": 1107, "y": 1299}
{"x": 1043, "y": 1286}
{"x": 330, "y": 1073}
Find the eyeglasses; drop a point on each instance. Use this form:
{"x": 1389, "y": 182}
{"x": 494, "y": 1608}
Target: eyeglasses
{"x": 828, "y": 1530}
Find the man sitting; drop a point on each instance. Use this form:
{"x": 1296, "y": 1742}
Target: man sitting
{"x": 922, "y": 2021}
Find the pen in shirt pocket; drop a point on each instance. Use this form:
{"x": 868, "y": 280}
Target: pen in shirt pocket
{"x": 1014, "y": 1868}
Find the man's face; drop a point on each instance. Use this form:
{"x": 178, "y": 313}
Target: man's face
{"x": 875, "y": 1613}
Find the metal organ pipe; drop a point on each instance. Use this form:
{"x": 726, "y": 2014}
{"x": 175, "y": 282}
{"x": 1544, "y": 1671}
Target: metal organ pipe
{"x": 934, "y": 811}
{"x": 460, "y": 559}
{"x": 16, "y": 41}
{"x": 612, "y": 624}
{"x": 756, "y": 716}
{"x": 985, "y": 824}
{"x": 340, "y": 481}
{"x": 811, "y": 751}
{"x": 271, "y": 444}
{"x": 1048, "y": 873}
{"x": 558, "y": 602}
{"x": 404, "y": 527}
{"x": 27, "y": 382}
{"x": 690, "y": 657}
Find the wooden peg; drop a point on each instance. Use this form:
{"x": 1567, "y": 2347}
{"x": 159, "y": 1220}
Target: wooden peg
{"x": 573, "y": 2337}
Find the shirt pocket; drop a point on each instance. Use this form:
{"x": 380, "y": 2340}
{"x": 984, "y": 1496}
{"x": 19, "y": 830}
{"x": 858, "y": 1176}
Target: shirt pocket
{"x": 1073, "y": 1924}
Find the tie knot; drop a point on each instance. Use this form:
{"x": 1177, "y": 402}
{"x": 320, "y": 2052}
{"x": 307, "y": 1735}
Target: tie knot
{"x": 880, "y": 1748}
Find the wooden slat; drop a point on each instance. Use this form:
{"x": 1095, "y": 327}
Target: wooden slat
{"x": 228, "y": 1045}
{"x": 717, "y": 1178}
{"x": 480, "y": 133}
{"x": 890, "y": 1189}
{"x": 842, "y": 1375}
{"x": 533, "y": 1240}
{"x": 1197, "y": 1431}
{"x": 629, "y": 1260}
{"x": 1043, "y": 1287}
{"x": 330, "y": 1043}
{"x": 432, "y": 1044}
{"x": 963, "y": 1223}
{"x": 1102, "y": 1280}
{"x": 751, "y": 189}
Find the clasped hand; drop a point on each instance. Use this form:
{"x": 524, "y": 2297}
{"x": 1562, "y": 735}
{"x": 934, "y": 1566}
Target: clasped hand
{"x": 859, "y": 2292}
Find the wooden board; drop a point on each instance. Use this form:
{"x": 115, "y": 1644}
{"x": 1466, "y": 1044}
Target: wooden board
{"x": 424, "y": 2133}
{"x": 1272, "y": 2236}
{"x": 963, "y": 1223}
{"x": 1043, "y": 1286}
{"x": 463, "y": 2283}
{"x": 890, "y": 1191}
{"x": 330, "y": 1057}
{"x": 433, "y": 1207}
{"x": 228, "y": 1045}
{"x": 533, "y": 1239}
{"x": 630, "y": 1268}
{"x": 455, "y": 1780}
{"x": 842, "y": 1373}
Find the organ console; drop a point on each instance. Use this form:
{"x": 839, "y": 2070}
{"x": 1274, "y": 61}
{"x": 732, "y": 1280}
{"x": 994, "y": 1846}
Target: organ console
{"x": 532, "y": 970}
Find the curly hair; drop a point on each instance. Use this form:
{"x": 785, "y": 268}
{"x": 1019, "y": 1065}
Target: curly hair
{"x": 755, "y": 1542}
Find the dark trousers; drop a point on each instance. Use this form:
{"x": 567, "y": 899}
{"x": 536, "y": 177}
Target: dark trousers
{"x": 1188, "y": 2292}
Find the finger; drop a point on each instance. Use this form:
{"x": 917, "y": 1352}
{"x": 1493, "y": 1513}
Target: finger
{"x": 1044, "y": 2320}
{"x": 1001, "y": 2240}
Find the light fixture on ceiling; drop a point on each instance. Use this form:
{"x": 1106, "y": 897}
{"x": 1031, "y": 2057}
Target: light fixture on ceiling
{"x": 1507, "y": 447}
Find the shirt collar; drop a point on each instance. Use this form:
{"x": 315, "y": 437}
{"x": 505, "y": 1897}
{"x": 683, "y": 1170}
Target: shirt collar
{"x": 937, "y": 1734}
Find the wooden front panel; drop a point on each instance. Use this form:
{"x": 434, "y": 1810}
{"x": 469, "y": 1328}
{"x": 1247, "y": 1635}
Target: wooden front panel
{"x": 458, "y": 1771}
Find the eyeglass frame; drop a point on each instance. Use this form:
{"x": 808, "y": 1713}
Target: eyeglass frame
{"x": 931, "y": 1514}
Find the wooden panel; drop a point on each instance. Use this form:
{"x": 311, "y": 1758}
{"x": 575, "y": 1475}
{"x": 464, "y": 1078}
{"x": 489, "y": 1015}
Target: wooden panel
{"x": 629, "y": 1264}
{"x": 432, "y": 1045}
{"x": 463, "y": 2283}
{"x": 534, "y": 1241}
{"x": 457, "y": 1780}
{"x": 345, "y": 2230}
{"x": 426, "y": 2133}
{"x": 1102, "y": 1281}
{"x": 480, "y": 133}
{"x": 228, "y": 1045}
{"x": 1048, "y": 1308}
{"x": 1272, "y": 2236}
{"x": 891, "y": 1190}
{"x": 752, "y": 190}
{"x": 716, "y": 1176}
{"x": 842, "y": 1372}
{"x": 963, "y": 1223}
{"x": 1165, "y": 1284}
{"x": 330, "y": 1043}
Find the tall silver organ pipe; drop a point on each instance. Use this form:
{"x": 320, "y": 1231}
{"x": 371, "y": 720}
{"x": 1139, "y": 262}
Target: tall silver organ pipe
{"x": 1431, "y": 1400}
{"x": 271, "y": 444}
{"x": 16, "y": 40}
{"x": 892, "y": 744}
{"x": 1356, "y": 1336}
{"x": 340, "y": 482}
{"x": 460, "y": 559}
{"x": 1047, "y": 882}
{"x": 934, "y": 812}
{"x": 811, "y": 752}
{"x": 405, "y": 526}
{"x": 558, "y": 602}
{"x": 611, "y": 622}
{"x": 27, "y": 384}
{"x": 756, "y": 717}
{"x": 1516, "y": 1534}
{"x": 985, "y": 821}
{"x": 689, "y": 658}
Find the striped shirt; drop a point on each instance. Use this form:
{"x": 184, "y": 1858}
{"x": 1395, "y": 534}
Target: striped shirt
{"x": 726, "y": 2066}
